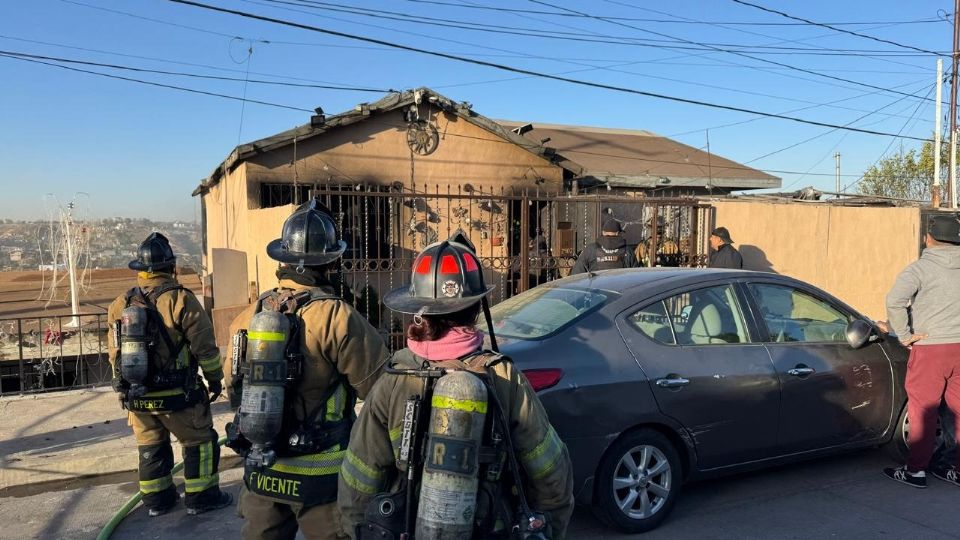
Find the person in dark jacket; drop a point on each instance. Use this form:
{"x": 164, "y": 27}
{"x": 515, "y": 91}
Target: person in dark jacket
{"x": 607, "y": 253}
{"x": 724, "y": 254}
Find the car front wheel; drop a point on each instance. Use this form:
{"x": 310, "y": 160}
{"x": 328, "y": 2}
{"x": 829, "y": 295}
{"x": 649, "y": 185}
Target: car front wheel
{"x": 638, "y": 482}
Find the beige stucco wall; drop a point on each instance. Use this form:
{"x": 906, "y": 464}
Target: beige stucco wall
{"x": 853, "y": 253}
{"x": 376, "y": 151}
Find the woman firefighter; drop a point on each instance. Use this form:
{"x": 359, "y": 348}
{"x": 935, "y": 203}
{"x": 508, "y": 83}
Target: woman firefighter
{"x": 488, "y": 464}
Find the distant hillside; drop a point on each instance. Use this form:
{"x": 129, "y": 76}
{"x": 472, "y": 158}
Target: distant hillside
{"x": 105, "y": 243}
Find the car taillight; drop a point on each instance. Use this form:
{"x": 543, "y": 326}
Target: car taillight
{"x": 541, "y": 379}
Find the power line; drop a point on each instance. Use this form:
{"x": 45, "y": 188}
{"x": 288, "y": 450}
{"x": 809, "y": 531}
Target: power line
{"x": 592, "y": 67}
{"x": 887, "y": 149}
{"x": 161, "y": 85}
{"x": 794, "y": 145}
{"x": 827, "y": 104}
{"x": 166, "y": 60}
{"x": 574, "y": 36}
{"x": 158, "y": 21}
{"x": 750, "y": 32}
{"x": 835, "y": 29}
{"x": 519, "y": 70}
{"x": 764, "y": 60}
{"x": 194, "y": 75}
{"x": 638, "y": 19}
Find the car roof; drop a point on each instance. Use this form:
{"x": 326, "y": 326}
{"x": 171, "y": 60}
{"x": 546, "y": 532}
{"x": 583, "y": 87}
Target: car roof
{"x": 635, "y": 280}
{"x": 632, "y": 278}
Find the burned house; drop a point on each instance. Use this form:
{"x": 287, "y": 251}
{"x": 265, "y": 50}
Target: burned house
{"x": 410, "y": 169}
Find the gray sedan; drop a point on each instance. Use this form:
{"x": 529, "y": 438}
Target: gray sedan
{"x": 657, "y": 377}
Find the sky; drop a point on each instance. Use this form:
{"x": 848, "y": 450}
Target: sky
{"x": 138, "y": 150}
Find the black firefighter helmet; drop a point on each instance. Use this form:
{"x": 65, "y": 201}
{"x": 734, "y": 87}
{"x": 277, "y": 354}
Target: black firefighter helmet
{"x": 446, "y": 278}
{"x": 309, "y": 237}
{"x": 154, "y": 255}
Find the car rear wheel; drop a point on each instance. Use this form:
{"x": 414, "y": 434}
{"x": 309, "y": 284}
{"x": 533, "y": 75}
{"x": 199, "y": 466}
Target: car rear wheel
{"x": 638, "y": 482}
{"x": 898, "y": 448}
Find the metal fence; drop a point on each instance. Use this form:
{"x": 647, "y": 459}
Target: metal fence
{"x": 39, "y": 354}
{"x": 523, "y": 238}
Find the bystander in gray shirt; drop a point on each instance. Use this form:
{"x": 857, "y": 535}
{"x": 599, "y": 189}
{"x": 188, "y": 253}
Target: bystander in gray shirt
{"x": 925, "y": 298}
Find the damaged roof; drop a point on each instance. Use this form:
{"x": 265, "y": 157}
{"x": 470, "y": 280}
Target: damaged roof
{"x": 641, "y": 159}
{"x": 363, "y": 111}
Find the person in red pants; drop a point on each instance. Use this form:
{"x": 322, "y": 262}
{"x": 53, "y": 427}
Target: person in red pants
{"x": 924, "y": 310}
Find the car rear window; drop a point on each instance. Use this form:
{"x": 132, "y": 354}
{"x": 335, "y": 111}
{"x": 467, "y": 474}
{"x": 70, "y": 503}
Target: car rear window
{"x": 543, "y": 311}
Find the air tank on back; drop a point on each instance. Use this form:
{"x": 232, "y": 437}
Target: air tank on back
{"x": 134, "y": 352}
{"x": 261, "y": 408}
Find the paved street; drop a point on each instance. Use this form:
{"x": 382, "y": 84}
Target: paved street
{"x": 842, "y": 497}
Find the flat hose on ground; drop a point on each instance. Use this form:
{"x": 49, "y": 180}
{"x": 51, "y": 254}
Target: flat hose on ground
{"x": 126, "y": 508}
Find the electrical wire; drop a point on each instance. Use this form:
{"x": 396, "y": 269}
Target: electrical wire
{"x": 718, "y": 49}
{"x": 161, "y": 85}
{"x": 824, "y": 134}
{"x": 168, "y": 61}
{"x": 835, "y": 29}
{"x": 879, "y": 159}
{"x": 514, "y": 10}
{"x": 592, "y": 67}
{"x": 193, "y": 75}
{"x": 827, "y": 104}
{"x": 572, "y": 36}
{"x": 754, "y": 33}
{"x": 519, "y": 70}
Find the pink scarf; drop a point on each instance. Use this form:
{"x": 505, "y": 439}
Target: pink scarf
{"x": 458, "y": 342}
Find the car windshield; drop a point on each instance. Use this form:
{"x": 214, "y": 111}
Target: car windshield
{"x": 542, "y": 311}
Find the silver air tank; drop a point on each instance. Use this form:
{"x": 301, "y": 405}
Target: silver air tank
{"x": 261, "y": 408}
{"x": 448, "y": 491}
{"x": 134, "y": 352}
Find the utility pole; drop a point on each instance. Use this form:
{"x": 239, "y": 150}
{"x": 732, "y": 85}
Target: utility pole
{"x": 72, "y": 269}
{"x": 937, "y": 142}
{"x": 952, "y": 188}
{"x": 837, "y": 156}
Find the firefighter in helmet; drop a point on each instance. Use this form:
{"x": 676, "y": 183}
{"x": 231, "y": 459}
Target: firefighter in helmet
{"x": 331, "y": 355}
{"x": 609, "y": 252}
{"x": 161, "y": 336}
{"x": 381, "y": 468}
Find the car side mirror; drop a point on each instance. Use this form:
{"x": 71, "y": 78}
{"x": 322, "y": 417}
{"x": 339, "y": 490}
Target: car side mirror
{"x": 859, "y": 333}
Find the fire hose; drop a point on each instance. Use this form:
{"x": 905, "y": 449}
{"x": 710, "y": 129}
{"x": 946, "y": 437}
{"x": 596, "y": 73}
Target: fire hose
{"x": 130, "y": 504}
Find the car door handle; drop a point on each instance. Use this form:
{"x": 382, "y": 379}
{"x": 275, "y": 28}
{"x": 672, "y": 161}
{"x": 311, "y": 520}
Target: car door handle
{"x": 801, "y": 371}
{"x": 672, "y": 383}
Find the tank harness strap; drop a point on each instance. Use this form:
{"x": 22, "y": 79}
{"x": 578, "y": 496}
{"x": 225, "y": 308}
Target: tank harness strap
{"x": 174, "y": 349}
{"x": 321, "y": 431}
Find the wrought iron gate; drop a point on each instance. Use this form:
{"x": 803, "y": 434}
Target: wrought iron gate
{"x": 523, "y": 238}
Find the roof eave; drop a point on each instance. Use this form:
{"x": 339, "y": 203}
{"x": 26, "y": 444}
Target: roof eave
{"x": 362, "y": 111}
{"x": 650, "y": 181}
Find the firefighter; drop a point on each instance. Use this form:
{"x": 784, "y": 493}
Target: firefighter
{"x": 609, "y": 252}
{"x": 161, "y": 337}
{"x": 445, "y": 297}
{"x": 340, "y": 356}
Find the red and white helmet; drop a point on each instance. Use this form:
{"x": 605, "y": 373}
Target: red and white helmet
{"x": 446, "y": 278}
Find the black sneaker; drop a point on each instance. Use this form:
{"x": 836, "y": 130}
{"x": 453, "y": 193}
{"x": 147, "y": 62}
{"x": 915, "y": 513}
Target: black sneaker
{"x": 222, "y": 501}
{"x": 900, "y": 474}
{"x": 947, "y": 474}
{"x": 161, "y": 510}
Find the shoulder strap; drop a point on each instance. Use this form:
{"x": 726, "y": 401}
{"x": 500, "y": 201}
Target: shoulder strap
{"x": 313, "y": 295}
{"x": 153, "y": 295}
{"x": 485, "y": 358}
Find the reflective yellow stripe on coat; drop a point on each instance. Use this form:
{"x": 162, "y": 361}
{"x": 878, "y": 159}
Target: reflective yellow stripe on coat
{"x": 361, "y": 476}
{"x": 544, "y": 457}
